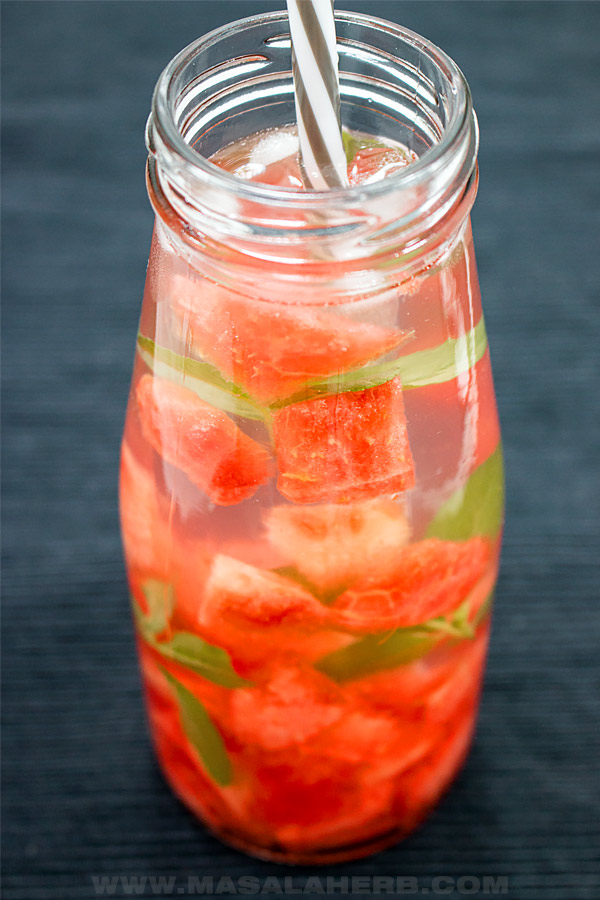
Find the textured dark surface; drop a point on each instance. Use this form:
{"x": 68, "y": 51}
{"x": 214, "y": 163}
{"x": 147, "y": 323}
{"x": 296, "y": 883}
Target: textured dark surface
{"x": 81, "y": 793}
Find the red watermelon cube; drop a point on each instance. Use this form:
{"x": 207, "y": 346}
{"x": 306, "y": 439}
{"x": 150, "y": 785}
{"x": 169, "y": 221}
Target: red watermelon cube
{"x": 432, "y": 578}
{"x": 344, "y": 447}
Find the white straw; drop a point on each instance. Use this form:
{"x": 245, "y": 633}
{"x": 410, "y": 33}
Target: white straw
{"x": 317, "y": 93}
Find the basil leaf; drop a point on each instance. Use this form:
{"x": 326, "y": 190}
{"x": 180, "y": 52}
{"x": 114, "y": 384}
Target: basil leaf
{"x": 483, "y": 611}
{"x": 433, "y": 366}
{"x": 344, "y": 382}
{"x": 184, "y": 647}
{"x": 352, "y": 145}
{"x": 442, "y": 363}
{"x": 201, "y": 378}
{"x": 159, "y": 598}
{"x": 446, "y": 361}
{"x": 477, "y": 508}
{"x": 202, "y": 733}
{"x": 326, "y": 597}
{"x": 457, "y": 626}
{"x": 376, "y": 652}
{"x": 294, "y": 574}
{"x": 213, "y": 663}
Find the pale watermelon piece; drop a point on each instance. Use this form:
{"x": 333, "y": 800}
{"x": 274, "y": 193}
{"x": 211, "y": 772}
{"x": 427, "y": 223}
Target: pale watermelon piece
{"x": 281, "y": 173}
{"x": 256, "y": 614}
{"x": 334, "y": 545}
{"x": 238, "y": 592}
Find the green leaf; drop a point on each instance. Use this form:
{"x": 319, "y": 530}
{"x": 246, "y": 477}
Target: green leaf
{"x": 344, "y": 382}
{"x": 483, "y": 611}
{"x": 202, "y": 733}
{"x": 213, "y": 663}
{"x": 353, "y": 145}
{"x": 350, "y": 145}
{"x": 477, "y": 508}
{"x": 201, "y": 378}
{"x": 446, "y": 361}
{"x": 376, "y": 653}
{"x": 442, "y": 363}
{"x": 159, "y": 597}
{"x": 184, "y": 647}
{"x": 326, "y": 597}
{"x": 294, "y": 574}
{"x": 457, "y": 625}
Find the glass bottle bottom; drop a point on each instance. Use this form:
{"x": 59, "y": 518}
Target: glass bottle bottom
{"x": 330, "y": 855}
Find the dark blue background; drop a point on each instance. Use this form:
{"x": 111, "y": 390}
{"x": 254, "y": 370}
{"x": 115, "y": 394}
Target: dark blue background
{"x": 82, "y": 794}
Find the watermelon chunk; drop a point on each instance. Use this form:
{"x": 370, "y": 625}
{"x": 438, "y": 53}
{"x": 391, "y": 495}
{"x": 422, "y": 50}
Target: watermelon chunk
{"x": 332, "y": 812}
{"x": 372, "y": 164}
{"x": 335, "y": 545}
{"x": 294, "y": 706}
{"x": 144, "y": 518}
{"x": 260, "y": 616}
{"x": 460, "y": 690}
{"x": 241, "y": 593}
{"x": 201, "y": 441}
{"x": 282, "y": 173}
{"x": 432, "y": 578}
{"x": 324, "y": 769}
{"x": 381, "y": 745}
{"x": 403, "y": 690}
{"x": 271, "y": 349}
{"x": 432, "y": 687}
{"x": 418, "y": 789}
{"x": 344, "y": 447}
{"x": 300, "y": 805}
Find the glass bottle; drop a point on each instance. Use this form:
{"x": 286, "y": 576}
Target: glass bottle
{"x": 311, "y": 474}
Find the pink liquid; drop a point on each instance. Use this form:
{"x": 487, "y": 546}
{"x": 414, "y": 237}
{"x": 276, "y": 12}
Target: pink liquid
{"x": 339, "y": 550}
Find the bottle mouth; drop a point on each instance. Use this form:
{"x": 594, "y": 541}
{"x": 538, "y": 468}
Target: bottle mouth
{"x": 237, "y": 80}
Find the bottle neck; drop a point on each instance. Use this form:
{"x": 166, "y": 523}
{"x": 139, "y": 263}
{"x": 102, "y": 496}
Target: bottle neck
{"x": 237, "y": 80}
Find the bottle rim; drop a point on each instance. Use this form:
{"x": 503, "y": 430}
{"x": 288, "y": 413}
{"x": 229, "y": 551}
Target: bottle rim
{"x": 163, "y": 133}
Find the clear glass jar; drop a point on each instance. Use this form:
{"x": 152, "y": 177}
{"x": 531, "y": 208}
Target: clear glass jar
{"x": 311, "y": 476}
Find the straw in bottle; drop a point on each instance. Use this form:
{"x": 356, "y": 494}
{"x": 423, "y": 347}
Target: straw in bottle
{"x": 317, "y": 93}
